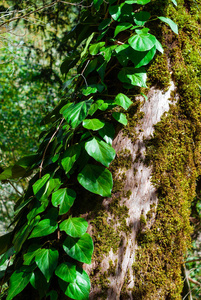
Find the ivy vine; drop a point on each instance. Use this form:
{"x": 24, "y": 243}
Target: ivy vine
{"x": 47, "y": 245}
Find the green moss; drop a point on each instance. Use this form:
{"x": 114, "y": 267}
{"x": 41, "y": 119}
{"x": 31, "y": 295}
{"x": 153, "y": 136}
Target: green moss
{"x": 158, "y": 73}
{"x": 175, "y": 154}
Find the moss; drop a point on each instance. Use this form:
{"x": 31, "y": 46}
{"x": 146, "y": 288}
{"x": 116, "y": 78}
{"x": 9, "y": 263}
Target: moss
{"x": 158, "y": 73}
{"x": 175, "y": 154}
{"x": 143, "y": 220}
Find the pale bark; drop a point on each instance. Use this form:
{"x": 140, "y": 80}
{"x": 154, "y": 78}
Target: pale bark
{"x": 143, "y": 194}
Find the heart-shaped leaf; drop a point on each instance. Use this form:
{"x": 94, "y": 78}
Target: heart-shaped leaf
{"x": 64, "y": 198}
{"x": 74, "y": 227}
{"x": 43, "y": 228}
{"x": 141, "y": 17}
{"x": 93, "y": 124}
{"x": 121, "y": 27}
{"x": 120, "y": 117}
{"x": 136, "y": 77}
{"x": 46, "y": 260}
{"x": 79, "y": 289}
{"x": 96, "y": 179}
{"x": 100, "y": 151}
{"x": 80, "y": 249}
{"x": 107, "y": 133}
{"x": 123, "y": 101}
{"x": 142, "y": 41}
{"x": 66, "y": 272}
{"x": 76, "y": 113}
{"x": 70, "y": 156}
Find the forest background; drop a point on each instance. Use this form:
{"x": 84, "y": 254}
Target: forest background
{"x": 32, "y": 51}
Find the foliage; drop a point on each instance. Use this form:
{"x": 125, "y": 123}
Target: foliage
{"x": 49, "y": 243}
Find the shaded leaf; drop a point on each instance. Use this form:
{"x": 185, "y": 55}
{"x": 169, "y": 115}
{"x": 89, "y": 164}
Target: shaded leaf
{"x": 96, "y": 179}
{"x": 107, "y": 133}
{"x": 69, "y": 157}
{"x": 80, "y": 249}
{"x": 46, "y": 260}
{"x": 121, "y": 27}
{"x": 66, "y": 271}
{"x": 39, "y": 282}
{"x": 136, "y": 77}
{"x": 141, "y": 17}
{"x": 64, "y": 198}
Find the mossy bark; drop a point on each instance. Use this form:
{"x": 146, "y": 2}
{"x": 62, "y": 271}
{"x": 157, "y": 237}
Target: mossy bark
{"x": 141, "y": 234}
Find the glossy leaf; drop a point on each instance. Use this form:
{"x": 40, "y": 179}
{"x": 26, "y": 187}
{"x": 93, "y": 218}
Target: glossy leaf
{"x": 93, "y": 124}
{"x": 18, "y": 282}
{"x": 142, "y": 41}
{"x": 39, "y": 282}
{"x": 107, "y": 133}
{"x": 123, "y": 101}
{"x": 69, "y": 157}
{"x": 66, "y": 271}
{"x": 74, "y": 227}
{"x": 76, "y": 113}
{"x": 121, "y": 27}
{"x": 94, "y": 49}
{"x": 40, "y": 186}
{"x": 174, "y": 2}
{"x": 31, "y": 253}
{"x": 120, "y": 117}
{"x": 142, "y": 2}
{"x": 136, "y": 77}
{"x": 141, "y": 17}
{"x": 96, "y": 179}
{"x": 80, "y": 288}
{"x": 100, "y": 151}
{"x": 43, "y": 228}
{"x": 97, "y": 4}
{"x": 115, "y": 12}
{"x": 80, "y": 249}
{"x": 142, "y": 58}
{"x": 46, "y": 260}
{"x": 64, "y": 198}
{"x": 171, "y": 23}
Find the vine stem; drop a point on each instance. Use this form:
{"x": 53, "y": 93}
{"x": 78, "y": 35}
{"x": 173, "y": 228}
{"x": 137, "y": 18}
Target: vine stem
{"x": 15, "y": 188}
{"x": 41, "y": 165}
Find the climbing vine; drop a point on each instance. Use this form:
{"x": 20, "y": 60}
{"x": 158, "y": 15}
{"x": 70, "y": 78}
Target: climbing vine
{"x": 48, "y": 245}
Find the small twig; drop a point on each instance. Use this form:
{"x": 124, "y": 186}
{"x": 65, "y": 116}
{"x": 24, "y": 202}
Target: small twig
{"x": 192, "y": 260}
{"x": 41, "y": 165}
{"x": 14, "y": 188}
{"x": 194, "y": 281}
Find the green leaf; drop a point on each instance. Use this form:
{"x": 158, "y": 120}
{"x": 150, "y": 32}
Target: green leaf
{"x": 123, "y": 101}
{"x": 74, "y": 227}
{"x": 53, "y": 295}
{"x": 107, "y": 133}
{"x": 141, "y": 17}
{"x": 22, "y": 235}
{"x": 46, "y": 260}
{"x": 121, "y": 27}
{"x": 43, "y": 228}
{"x": 40, "y": 186}
{"x": 136, "y": 77}
{"x": 37, "y": 209}
{"x": 175, "y": 2}
{"x": 120, "y": 117}
{"x": 18, "y": 281}
{"x": 142, "y": 41}
{"x": 39, "y": 282}
{"x": 76, "y": 113}
{"x": 31, "y": 253}
{"x": 100, "y": 151}
{"x": 93, "y": 124}
{"x": 95, "y": 106}
{"x": 96, "y": 179}
{"x": 80, "y": 288}
{"x": 142, "y": 2}
{"x": 97, "y": 4}
{"x": 104, "y": 24}
{"x": 66, "y": 272}
{"x": 146, "y": 98}
{"x": 94, "y": 49}
{"x": 142, "y": 58}
{"x": 89, "y": 90}
{"x": 64, "y": 198}
{"x": 159, "y": 47}
{"x": 6, "y": 255}
{"x": 115, "y": 11}
{"x": 69, "y": 157}
{"x": 172, "y": 24}
{"x": 5, "y": 242}
{"x": 80, "y": 249}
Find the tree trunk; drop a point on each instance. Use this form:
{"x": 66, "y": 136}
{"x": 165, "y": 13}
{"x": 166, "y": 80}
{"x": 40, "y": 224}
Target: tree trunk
{"x": 142, "y": 232}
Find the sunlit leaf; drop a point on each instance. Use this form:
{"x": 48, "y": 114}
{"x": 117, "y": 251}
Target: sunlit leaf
{"x": 136, "y": 77}
{"x": 74, "y": 227}
{"x": 46, "y": 260}
{"x": 66, "y": 271}
{"x": 69, "y": 157}
{"x": 120, "y": 117}
{"x": 171, "y": 23}
{"x": 123, "y": 101}
{"x": 64, "y": 198}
